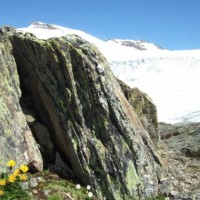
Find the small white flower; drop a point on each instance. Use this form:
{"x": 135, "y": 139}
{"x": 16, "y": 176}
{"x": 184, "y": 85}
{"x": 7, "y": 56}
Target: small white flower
{"x": 88, "y": 187}
{"x": 104, "y": 198}
{"x": 90, "y": 194}
{"x": 78, "y": 186}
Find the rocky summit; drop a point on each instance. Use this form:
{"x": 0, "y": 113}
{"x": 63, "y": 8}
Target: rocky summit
{"x": 60, "y": 101}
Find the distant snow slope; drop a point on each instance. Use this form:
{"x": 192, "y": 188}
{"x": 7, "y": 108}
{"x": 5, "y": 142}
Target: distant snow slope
{"x": 170, "y": 78}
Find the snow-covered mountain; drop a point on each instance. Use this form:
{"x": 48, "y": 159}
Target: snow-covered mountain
{"x": 137, "y": 44}
{"x": 170, "y": 78}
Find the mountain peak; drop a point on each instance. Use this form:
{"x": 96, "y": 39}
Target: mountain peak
{"x": 37, "y": 24}
{"x": 137, "y": 44}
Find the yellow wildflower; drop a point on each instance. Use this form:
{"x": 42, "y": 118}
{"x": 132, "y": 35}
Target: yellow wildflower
{"x": 16, "y": 172}
{"x": 23, "y": 177}
{"x": 11, "y": 163}
{"x": 1, "y": 192}
{"x": 2, "y": 182}
{"x": 12, "y": 178}
{"x": 24, "y": 168}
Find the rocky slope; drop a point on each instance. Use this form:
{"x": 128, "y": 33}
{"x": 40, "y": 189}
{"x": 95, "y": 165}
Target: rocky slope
{"x": 77, "y": 111}
{"x": 179, "y": 148}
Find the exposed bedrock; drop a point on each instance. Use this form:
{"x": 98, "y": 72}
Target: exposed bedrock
{"x": 145, "y": 109}
{"x": 70, "y": 95}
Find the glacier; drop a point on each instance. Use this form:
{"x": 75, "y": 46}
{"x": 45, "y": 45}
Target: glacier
{"x": 170, "y": 78}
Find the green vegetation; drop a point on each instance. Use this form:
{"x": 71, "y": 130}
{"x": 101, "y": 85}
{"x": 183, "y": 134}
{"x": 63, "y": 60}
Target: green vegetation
{"x": 160, "y": 197}
{"x": 52, "y": 187}
{"x": 55, "y": 188}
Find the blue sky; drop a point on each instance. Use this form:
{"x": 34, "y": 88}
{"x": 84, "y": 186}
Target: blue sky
{"x": 172, "y": 24}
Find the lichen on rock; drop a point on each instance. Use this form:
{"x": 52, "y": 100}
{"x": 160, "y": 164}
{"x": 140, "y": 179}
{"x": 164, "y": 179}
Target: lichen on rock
{"x": 145, "y": 109}
{"x": 17, "y": 141}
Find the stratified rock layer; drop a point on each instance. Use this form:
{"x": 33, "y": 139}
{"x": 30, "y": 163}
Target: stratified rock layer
{"x": 70, "y": 87}
{"x": 17, "y": 142}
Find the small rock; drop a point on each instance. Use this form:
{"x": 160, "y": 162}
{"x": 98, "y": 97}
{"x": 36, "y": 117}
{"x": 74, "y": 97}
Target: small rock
{"x": 30, "y": 119}
{"x": 165, "y": 188}
{"x": 151, "y": 182}
{"x": 174, "y": 193}
{"x": 182, "y": 184}
{"x": 40, "y": 179}
{"x": 163, "y": 179}
{"x": 188, "y": 181}
{"x": 35, "y": 191}
{"x": 176, "y": 183}
{"x": 33, "y": 182}
{"x": 47, "y": 192}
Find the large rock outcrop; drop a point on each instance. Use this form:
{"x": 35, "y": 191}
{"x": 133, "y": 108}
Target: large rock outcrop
{"x": 17, "y": 141}
{"x": 77, "y": 100}
{"x": 145, "y": 109}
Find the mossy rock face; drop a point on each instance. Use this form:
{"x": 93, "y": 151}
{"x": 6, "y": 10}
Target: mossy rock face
{"x": 145, "y": 109}
{"x": 17, "y": 142}
{"x": 90, "y": 121}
